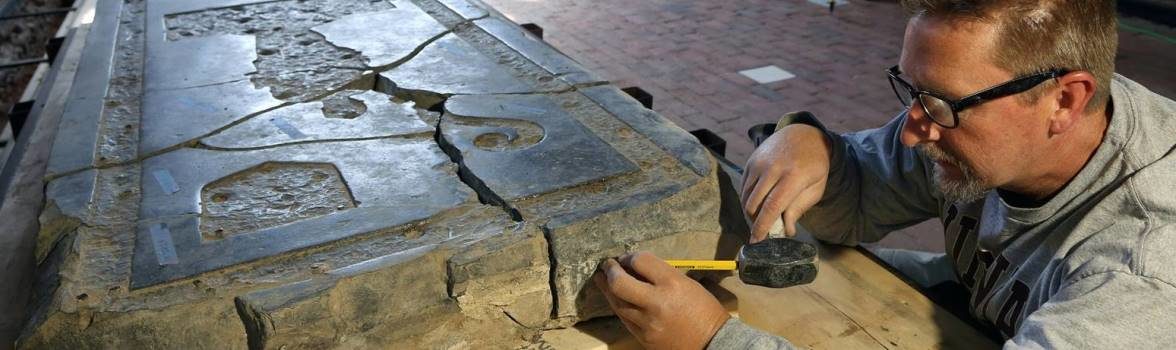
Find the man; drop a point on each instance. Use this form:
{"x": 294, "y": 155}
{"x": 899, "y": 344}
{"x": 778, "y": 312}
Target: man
{"x": 1055, "y": 180}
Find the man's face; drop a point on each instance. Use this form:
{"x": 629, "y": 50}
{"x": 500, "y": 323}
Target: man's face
{"x": 992, "y": 145}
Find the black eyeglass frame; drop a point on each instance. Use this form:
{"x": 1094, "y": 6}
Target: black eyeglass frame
{"x": 1011, "y": 87}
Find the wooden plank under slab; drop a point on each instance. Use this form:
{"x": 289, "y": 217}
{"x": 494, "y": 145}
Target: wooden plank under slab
{"x": 854, "y": 303}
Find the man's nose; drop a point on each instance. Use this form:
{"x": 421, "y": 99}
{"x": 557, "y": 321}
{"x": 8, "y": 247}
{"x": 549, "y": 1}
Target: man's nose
{"x": 918, "y": 128}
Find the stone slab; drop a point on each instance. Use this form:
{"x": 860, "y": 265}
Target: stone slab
{"x": 385, "y": 38}
{"x": 525, "y": 145}
{"x": 158, "y": 9}
{"x": 663, "y": 132}
{"x": 465, "y": 9}
{"x": 172, "y": 117}
{"x": 346, "y": 216}
{"x": 450, "y": 66}
{"x": 383, "y": 197}
{"x": 306, "y": 122}
{"x": 538, "y": 51}
{"x": 413, "y": 298}
{"x": 78, "y": 129}
{"x": 199, "y": 61}
{"x": 671, "y": 221}
{"x": 22, "y": 182}
{"x": 67, "y": 204}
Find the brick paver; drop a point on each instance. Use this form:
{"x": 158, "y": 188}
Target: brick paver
{"x": 687, "y": 54}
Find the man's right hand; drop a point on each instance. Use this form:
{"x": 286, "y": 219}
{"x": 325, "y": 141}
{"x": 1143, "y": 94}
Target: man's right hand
{"x": 785, "y": 177}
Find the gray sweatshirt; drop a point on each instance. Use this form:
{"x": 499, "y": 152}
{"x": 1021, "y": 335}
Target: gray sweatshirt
{"x": 1094, "y": 267}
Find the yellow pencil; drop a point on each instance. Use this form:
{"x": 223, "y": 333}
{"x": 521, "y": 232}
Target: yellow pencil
{"x": 727, "y": 265}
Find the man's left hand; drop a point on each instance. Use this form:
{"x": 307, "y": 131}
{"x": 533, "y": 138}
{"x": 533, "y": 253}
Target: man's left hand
{"x": 663, "y": 308}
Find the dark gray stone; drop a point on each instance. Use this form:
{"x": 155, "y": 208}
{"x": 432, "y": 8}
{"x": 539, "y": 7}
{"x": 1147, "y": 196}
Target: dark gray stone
{"x": 450, "y": 65}
{"x": 172, "y": 117}
{"x": 465, "y": 9}
{"x": 383, "y": 197}
{"x": 663, "y": 132}
{"x": 199, "y": 61}
{"x": 385, "y": 37}
{"x": 72, "y": 194}
{"x": 525, "y": 145}
{"x": 305, "y": 122}
{"x": 77, "y": 134}
{"x": 538, "y": 51}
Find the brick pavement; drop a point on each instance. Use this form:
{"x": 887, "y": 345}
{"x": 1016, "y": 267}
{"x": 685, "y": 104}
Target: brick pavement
{"x": 687, "y": 54}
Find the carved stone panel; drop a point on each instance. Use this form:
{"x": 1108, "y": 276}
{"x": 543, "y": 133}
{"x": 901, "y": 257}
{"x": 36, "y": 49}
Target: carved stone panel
{"x": 525, "y": 145}
{"x": 298, "y": 196}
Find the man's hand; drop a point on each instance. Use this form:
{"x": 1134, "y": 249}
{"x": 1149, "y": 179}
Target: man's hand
{"x": 785, "y": 177}
{"x": 663, "y": 308}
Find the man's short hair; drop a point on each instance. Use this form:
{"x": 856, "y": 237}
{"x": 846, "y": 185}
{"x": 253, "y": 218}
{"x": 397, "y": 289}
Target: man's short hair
{"x": 1038, "y": 35}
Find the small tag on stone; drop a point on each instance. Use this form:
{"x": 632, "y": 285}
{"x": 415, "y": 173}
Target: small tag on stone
{"x": 165, "y": 181}
{"x": 165, "y": 250}
{"x": 286, "y": 128}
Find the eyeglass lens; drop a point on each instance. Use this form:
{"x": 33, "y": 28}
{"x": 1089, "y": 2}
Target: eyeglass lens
{"x": 938, "y": 109}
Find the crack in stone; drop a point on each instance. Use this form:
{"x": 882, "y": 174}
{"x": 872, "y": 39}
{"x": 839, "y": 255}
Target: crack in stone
{"x": 206, "y": 85}
{"x": 258, "y": 325}
{"x": 416, "y": 51}
{"x": 467, "y": 176}
{"x": 423, "y": 98}
{"x": 551, "y": 264}
{"x": 513, "y": 319}
{"x": 426, "y": 134}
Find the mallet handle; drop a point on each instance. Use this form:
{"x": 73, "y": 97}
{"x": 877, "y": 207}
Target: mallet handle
{"x": 726, "y": 265}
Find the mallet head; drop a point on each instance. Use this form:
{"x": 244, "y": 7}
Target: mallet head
{"x": 778, "y": 263}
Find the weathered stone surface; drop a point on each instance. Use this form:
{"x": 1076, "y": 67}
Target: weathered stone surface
{"x": 78, "y": 130}
{"x": 382, "y": 197}
{"x": 538, "y": 51}
{"x": 465, "y": 9}
{"x": 397, "y": 299}
{"x": 368, "y": 33}
{"x": 172, "y": 117}
{"x": 67, "y": 203}
{"x": 199, "y": 61}
{"x": 525, "y": 145}
{"x": 659, "y": 129}
{"x": 455, "y": 191}
{"x": 366, "y": 114}
{"x": 294, "y": 62}
{"x": 449, "y": 66}
{"x": 249, "y": 200}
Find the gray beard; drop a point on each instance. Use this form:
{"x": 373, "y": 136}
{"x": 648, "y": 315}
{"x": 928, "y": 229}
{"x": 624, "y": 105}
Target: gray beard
{"x": 969, "y": 188}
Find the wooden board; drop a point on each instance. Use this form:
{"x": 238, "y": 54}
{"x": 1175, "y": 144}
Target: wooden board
{"x": 853, "y": 304}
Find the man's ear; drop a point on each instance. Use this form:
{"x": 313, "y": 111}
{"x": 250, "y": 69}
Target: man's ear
{"x": 1075, "y": 91}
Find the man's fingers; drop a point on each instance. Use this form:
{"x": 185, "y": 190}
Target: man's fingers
{"x": 628, "y": 312}
{"x": 649, "y": 266}
{"x": 749, "y": 179}
{"x": 774, "y": 205}
{"x": 621, "y": 284}
{"x": 804, "y": 201}
{"x": 765, "y": 184}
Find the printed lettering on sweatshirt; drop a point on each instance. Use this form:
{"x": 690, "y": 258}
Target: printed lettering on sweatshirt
{"x": 982, "y": 271}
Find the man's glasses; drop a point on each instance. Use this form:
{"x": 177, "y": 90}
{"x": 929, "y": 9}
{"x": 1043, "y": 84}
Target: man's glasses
{"x": 945, "y": 112}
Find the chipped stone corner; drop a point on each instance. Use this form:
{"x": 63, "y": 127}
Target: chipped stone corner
{"x": 488, "y": 288}
{"x": 670, "y": 222}
{"x": 504, "y": 275}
